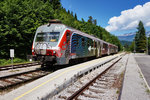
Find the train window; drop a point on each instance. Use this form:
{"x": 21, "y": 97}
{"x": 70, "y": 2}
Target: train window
{"x": 92, "y": 43}
{"x": 95, "y": 44}
{"x": 53, "y": 36}
{"x": 88, "y": 42}
{"x": 47, "y": 37}
{"x": 41, "y": 37}
{"x": 77, "y": 42}
{"x": 68, "y": 37}
{"x": 83, "y": 41}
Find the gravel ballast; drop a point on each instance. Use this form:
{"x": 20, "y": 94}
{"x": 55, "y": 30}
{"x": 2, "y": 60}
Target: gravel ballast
{"x": 107, "y": 88}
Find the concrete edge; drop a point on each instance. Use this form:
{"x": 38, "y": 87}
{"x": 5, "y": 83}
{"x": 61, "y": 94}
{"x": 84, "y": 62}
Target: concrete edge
{"x": 142, "y": 75}
{"x": 121, "y": 89}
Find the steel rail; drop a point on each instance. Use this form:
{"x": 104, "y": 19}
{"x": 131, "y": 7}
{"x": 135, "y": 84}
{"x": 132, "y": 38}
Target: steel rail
{"x": 2, "y": 68}
{"x": 81, "y": 90}
{"x": 23, "y": 80}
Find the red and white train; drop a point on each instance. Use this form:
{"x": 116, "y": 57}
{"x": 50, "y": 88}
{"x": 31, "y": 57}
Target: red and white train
{"x": 56, "y": 43}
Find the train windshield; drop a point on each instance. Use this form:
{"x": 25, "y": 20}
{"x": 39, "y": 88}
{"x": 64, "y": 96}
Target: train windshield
{"x": 53, "y": 36}
{"x": 47, "y": 37}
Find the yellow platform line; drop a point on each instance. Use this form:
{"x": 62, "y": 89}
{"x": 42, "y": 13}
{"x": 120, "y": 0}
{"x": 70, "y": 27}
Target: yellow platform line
{"x": 71, "y": 69}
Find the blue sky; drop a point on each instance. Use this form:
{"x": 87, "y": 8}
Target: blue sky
{"x": 117, "y": 16}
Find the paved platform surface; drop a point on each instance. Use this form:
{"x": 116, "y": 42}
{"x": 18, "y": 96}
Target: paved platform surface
{"x": 134, "y": 86}
{"x": 143, "y": 61}
{"x": 42, "y": 87}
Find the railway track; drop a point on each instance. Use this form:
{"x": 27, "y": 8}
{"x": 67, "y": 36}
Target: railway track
{"x": 96, "y": 87}
{"x": 2, "y": 68}
{"x": 15, "y": 79}
{"x": 91, "y": 86}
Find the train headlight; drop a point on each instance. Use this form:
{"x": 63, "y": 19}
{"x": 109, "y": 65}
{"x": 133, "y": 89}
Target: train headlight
{"x": 54, "y": 51}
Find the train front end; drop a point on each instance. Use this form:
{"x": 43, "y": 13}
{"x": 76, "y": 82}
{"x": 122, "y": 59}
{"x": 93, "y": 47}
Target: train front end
{"x": 45, "y": 45}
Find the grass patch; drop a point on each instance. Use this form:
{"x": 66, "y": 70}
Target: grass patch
{"x": 4, "y": 62}
{"x": 117, "y": 91}
{"x": 148, "y": 91}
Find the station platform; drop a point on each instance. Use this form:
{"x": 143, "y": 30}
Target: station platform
{"x": 44, "y": 87}
{"x": 134, "y": 86}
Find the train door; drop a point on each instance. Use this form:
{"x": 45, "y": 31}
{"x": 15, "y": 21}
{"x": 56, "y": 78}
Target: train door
{"x": 95, "y": 48}
{"x": 98, "y": 49}
{"x": 102, "y": 49}
{"x": 67, "y": 52}
{"x": 109, "y": 49}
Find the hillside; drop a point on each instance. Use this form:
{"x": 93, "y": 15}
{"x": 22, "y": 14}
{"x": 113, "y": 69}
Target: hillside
{"x": 126, "y": 42}
{"x": 130, "y": 36}
{"x": 19, "y": 20}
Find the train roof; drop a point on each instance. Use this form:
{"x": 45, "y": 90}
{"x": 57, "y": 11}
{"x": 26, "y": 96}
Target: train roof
{"x": 90, "y": 36}
{"x": 58, "y": 22}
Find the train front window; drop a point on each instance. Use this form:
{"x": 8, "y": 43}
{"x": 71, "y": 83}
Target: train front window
{"x": 53, "y": 36}
{"x": 41, "y": 37}
{"x": 48, "y": 37}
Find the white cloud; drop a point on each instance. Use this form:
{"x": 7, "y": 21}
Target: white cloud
{"x": 130, "y": 18}
{"x": 148, "y": 24}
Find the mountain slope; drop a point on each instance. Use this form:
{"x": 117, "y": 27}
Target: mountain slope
{"x": 125, "y": 42}
{"x": 129, "y": 36}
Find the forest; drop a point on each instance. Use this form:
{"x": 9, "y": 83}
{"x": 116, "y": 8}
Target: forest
{"x": 19, "y": 20}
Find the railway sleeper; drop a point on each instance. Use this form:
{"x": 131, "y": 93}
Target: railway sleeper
{"x": 101, "y": 82}
{"x": 62, "y": 97}
{"x": 22, "y": 79}
{"x": 100, "y": 86}
{"x": 88, "y": 95}
{"x": 70, "y": 91}
{"x": 96, "y": 90}
{"x": 7, "y": 81}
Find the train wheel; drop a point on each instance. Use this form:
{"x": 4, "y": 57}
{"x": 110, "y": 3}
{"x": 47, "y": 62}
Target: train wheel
{"x": 42, "y": 65}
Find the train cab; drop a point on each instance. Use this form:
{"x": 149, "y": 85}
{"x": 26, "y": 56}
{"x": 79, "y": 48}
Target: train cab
{"x": 46, "y": 42}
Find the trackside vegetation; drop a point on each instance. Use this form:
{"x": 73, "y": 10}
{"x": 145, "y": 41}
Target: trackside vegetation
{"x": 19, "y": 20}
{"x": 4, "y": 62}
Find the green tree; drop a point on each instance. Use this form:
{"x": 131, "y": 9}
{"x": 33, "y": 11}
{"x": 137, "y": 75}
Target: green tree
{"x": 83, "y": 21}
{"x": 55, "y": 3}
{"x": 75, "y": 16}
{"x": 140, "y": 38}
{"x": 132, "y": 46}
{"x": 149, "y": 45}
{"x": 90, "y": 20}
{"x": 95, "y": 22}
{"x": 18, "y": 24}
{"x": 19, "y": 20}
{"x": 71, "y": 13}
{"x": 68, "y": 11}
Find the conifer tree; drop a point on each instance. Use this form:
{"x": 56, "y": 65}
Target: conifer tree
{"x": 140, "y": 38}
{"x": 75, "y": 16}
{"x": 149, "y": 45}
{"x": 68, "y": 11}
{"x": 95, "y": 22}
{"x": 56, "y": 4}
{"x": 90, "y": 20}
{"x": 71, "y": 13}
